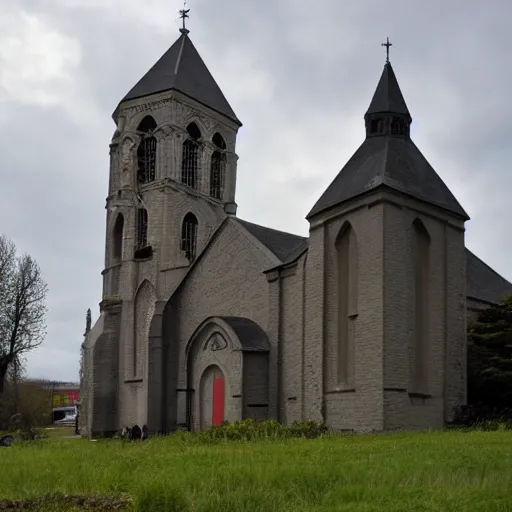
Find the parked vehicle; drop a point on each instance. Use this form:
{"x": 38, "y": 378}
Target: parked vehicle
{"x": 64, "y": 416}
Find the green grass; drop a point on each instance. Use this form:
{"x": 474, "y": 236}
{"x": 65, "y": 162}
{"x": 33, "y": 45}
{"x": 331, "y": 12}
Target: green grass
{"x": 434, "y": 471}
{"x": 59, "y": 431}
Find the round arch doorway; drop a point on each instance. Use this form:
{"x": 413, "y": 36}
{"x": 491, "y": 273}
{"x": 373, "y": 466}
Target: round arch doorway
{"x": 212, "y": 397}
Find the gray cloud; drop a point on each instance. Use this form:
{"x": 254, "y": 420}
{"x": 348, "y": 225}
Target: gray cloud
{"x": 299, "y": 76}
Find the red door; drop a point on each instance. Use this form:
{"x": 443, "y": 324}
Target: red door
{"x": 218, "y": 401}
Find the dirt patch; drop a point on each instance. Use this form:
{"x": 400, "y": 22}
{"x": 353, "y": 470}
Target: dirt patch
{"x": 98, "y": 503}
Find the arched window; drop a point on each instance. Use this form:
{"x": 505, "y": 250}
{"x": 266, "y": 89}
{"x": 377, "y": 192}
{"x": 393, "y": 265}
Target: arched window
{"x": 117, "y": 239}
{"x": 189, "y": 236}
{"x": 190, "y": 156}
{"x": 421, "y": 277}
{"x": 142, "y": 249}
{"x": 146, "y": 152}
{"x": 347, "y": 274}
{"x": 218, "y": 167}
{"x": 144, "y": 308}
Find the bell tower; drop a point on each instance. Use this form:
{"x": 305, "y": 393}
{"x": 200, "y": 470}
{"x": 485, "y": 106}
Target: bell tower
{"x": 173, "y": 164}
{"x": 386, "y": 283}
{"x": 172, "y": 182}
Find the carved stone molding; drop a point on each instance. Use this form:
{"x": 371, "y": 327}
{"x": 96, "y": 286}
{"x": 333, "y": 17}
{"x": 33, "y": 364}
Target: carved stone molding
{"x": 149, "y": 106}
{"x": 216, "y": 343}
{"x": 127, "y": 161}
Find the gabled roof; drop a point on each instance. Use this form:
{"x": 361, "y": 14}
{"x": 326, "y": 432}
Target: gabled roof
{"x": 280, "y": 243}
{"x": 483, "y": 283}
{"x": 393, "y": 162}
{"x": 181, "y": 68}
{"x": 388, "y": 96}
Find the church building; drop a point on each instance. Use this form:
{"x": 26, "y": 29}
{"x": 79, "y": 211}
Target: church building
{"x": 207, "y": 318}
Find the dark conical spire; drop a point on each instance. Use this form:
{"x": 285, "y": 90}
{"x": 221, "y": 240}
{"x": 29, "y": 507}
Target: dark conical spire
{"x": 388, "y": 157}
{"x": 181, "y": 68}
{"x": 388, "y": 96}
{"x": 388, "y": 113}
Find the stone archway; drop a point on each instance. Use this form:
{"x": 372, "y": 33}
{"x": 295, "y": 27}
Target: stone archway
{"x": 214, "y": 355}
{"x": 227, "y": 372}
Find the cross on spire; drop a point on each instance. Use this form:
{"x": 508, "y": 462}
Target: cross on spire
{"x": 184, "y": 15}
{"x": 387, "y": 44}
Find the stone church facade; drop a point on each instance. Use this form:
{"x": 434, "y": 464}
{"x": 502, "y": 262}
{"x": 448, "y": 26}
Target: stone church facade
{"x": 208, "y": 318}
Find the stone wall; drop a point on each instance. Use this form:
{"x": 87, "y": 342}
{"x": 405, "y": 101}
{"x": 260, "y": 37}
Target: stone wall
{"x": 227, "y": 280}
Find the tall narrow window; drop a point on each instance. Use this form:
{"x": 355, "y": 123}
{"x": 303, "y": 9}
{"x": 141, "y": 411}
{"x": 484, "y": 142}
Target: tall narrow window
{"x": 421, "y": 271}
{"x": 146, "y": 152}
{"x": 144, "y": 310}
{"x": 142, "y": 228}
{"x": 117, "y": 239}
{"x": 189, "y": 236}
{"x": 142, "y": 249}
{"x": 116, "y": 255}
{"x": 347, "y": 284}
{"x": 218, "y": 167}
{"x": 190, "y": 156}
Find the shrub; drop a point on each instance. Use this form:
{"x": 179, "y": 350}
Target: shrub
{"x": 250, "y": 430}
{"x": 483, "y": 417}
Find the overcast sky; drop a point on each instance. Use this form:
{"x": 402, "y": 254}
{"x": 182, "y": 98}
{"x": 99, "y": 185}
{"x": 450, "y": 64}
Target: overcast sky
{"x": 298, "y": 74}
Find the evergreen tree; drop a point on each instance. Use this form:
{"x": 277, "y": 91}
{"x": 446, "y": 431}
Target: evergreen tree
{"x": 490, "y": 358}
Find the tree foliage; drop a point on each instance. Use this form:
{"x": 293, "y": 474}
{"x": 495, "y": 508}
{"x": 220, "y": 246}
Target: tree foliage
{"x": 22, "y": 307}
{"x": 25, "y": 404}
{"x": 490, "y": 358}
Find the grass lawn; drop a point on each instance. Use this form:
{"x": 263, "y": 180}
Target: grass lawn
{"x": 59, "y": 431}
{"x": 434, "y": 471}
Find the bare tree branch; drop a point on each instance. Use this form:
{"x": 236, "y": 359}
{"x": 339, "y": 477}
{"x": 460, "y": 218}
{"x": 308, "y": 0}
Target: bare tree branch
{"x": 22, "y": 306}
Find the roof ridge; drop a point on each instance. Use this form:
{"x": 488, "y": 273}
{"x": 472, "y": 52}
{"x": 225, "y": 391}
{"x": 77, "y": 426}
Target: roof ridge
{"x": 180, "y": 54}
{"x": 280, "y": 243}
{"x": 270, "y": 229}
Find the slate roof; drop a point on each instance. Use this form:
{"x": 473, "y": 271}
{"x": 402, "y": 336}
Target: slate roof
{"x": 279, "y": 243}
{"x": 394, "y": 162}
{"x": 252, "y": 337}
{"x": 388, "y": 96}
{"x": 181, "y": 68}
{"x": 483, "y": 283}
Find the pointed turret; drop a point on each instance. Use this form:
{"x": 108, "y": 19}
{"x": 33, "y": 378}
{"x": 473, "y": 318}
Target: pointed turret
{"x": 388, "y": 96}
{"x": 182, "y": 69}
{"x": 388, "y": 157}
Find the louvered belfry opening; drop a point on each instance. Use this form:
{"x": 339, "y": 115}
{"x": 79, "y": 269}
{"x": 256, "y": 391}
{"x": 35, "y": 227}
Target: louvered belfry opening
{"x": 218, "y": 167}
{"x": 146, "y": 152}
{"x": 190, "y": 157}
{"x": 189, "y": 236}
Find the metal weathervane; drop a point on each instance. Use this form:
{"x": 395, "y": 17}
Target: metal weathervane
{"x": 184, "y": 15}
